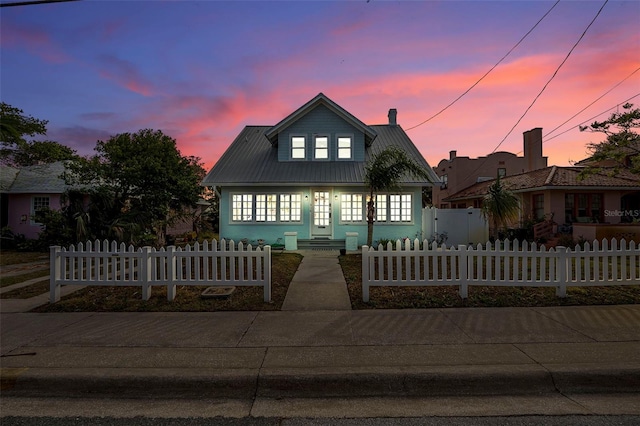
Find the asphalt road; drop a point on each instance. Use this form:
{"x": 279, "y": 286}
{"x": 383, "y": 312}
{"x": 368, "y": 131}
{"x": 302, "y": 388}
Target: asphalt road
{"x": 269, "y": 421}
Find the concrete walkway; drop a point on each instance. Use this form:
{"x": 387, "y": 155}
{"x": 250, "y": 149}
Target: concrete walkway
{"x": 318, "y": 284}
{"x": 317, "y": 358}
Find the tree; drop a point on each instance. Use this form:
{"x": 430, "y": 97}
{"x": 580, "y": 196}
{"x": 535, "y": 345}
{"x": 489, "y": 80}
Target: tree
{"x": 15, "y": 150}
{"x": 146, "y": 177}
{"x": 621, "y": 148}
{"x": 500, "y": 205}
{"x": 383, "y": 172}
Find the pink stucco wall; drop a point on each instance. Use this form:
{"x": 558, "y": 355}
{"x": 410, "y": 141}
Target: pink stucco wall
{"x": 19, "y": 206}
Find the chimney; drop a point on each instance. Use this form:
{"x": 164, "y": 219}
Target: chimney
{"x": 452, "y": 155}
{"x": 393, "y": 113}
{"x": 533, "y": 150}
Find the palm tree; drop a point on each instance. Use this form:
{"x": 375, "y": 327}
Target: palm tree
{"x": 500, "y": 205}
{"x": 383, "y": 172}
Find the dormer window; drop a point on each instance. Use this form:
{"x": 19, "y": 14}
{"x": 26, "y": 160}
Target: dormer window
{"x": 345, "y": 148}
{"x": 321, "y": 148}
{"x": 298, "y": 147}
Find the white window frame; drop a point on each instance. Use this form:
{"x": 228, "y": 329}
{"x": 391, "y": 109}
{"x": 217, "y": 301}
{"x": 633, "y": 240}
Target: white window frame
{"x": 298, "y": 152}
{"x": 266, "y": 208}
{"x": 39, "y": 202}
{"x": 242, "y": 205}
{"x": 341, "y": 149}
{"x": 352, "y": 208}
{"x": 318, "y": 140}
{"x": 394, "y": 208}
{"x": 290, "y": 208}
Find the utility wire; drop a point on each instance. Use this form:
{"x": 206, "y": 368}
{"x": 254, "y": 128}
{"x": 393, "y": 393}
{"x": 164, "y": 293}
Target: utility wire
{"x": 31, "y": 3}
{"x": 600, "y": 97}
{"x": 552, "y": 76}
{"x": 543, "y": 88}
{"x": 487, "y": 73}
{"x": 587, "y": 120}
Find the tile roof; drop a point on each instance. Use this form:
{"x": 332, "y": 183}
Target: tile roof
{"x": 553, "y": 177}
{"x": 252, "y": 160}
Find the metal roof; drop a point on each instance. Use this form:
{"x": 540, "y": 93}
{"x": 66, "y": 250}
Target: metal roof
{"x": 253, "y": 160}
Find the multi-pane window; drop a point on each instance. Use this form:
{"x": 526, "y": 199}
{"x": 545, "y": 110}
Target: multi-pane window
{"x": 538, "y": 206}
{"x": 321, "y": 148}
{"x": 344, "y": 148}
{"x": 298, "y": 147}
{"x": 393, "y": 208}
{"x": 583, "y": 207}
{"x": 266, "y": 207}
{"x": 444, "y": 179}
{"x": 242, "y": 207}
{"x": 381, "y": 208}
{"x": 290, "y": 207}
{"x": 502, "y": 172}
{"x": 400, "y": 207}
{"x": 351, "y": 208}
{"x": 38, "y": 204}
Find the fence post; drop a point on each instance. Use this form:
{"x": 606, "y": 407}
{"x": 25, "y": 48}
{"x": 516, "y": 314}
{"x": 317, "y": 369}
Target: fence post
{"x": 146, "y": 272}
{"x": 54, "y": 274}
{"x": 463, "y": 265}
{"x": 365, "y": 273}
{"x": 171, "y": 273}
{"x": 561, "y": 271}
{"x": 266, "y": 264}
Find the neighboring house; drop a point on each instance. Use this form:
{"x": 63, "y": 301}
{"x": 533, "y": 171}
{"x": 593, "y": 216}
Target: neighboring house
{"x": 26, "y": 190}
{"x": 555, "y": 193}
{"x": 458, "y": 173}
{"x": 305, "y": 175}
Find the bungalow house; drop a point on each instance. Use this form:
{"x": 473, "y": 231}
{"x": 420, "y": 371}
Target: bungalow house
{"x": 556, "y": 193}
{"x": 302, "y": 180}
{"x": 26, "y": 190}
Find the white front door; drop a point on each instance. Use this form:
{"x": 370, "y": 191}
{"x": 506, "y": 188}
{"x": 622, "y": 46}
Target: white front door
{"x": 321, "y": 214}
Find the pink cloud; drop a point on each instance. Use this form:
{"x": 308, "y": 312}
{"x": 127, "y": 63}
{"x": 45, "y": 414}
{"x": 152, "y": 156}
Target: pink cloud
{"x": 125, "y": 74}
{"x": 34, "y": 40}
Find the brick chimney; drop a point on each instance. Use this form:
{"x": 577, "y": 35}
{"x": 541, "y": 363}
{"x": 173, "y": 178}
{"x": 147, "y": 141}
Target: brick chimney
{"x": 533, "y": 150}
{"x": 393, "y": 114}
{"x": 452, "y": 155}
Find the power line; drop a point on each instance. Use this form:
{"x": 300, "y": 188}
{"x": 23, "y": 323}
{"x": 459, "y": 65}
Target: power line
{"x": 552, "y": 76}
{"x": 34, "y": 2}
{"x": 589, "y": 119}
{"x": 485, "y": 74}
{"x": 600, "y": 97}
{"x": 543, "y": 88}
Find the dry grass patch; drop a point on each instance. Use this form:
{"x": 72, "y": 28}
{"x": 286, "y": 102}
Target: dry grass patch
{"x": 486, "y": 296}
{"x": 188, "y": 298}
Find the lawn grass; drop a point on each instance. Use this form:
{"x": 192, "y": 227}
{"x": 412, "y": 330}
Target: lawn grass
{"x": 479, "y": 296}
{"x": 15, "y": 279}
{"x": 12, "y": 257}
{"x": 188, "y": 298}
{"x": 29, "y": 291}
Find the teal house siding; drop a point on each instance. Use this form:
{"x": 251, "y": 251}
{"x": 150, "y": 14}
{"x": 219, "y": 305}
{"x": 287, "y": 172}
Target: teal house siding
{"x": 277, "y": 194}
{"x": 321, "y": 121}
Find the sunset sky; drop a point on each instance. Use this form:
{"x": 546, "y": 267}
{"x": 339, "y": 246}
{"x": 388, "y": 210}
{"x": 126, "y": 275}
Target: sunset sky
{"x": 202, "y": 70}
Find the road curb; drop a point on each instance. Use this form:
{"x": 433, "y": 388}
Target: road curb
{"x": 315, "y": 383}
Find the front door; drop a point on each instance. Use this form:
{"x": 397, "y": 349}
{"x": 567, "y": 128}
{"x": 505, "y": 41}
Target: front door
{"x": 321, "y": 214}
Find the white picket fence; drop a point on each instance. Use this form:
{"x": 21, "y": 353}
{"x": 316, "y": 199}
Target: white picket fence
{"x": 208, "y": 264}
{"x": 505, "y": 263}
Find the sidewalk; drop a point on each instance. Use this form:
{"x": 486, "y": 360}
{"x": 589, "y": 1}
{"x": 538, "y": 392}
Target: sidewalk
{"x": 438, "y": 357}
